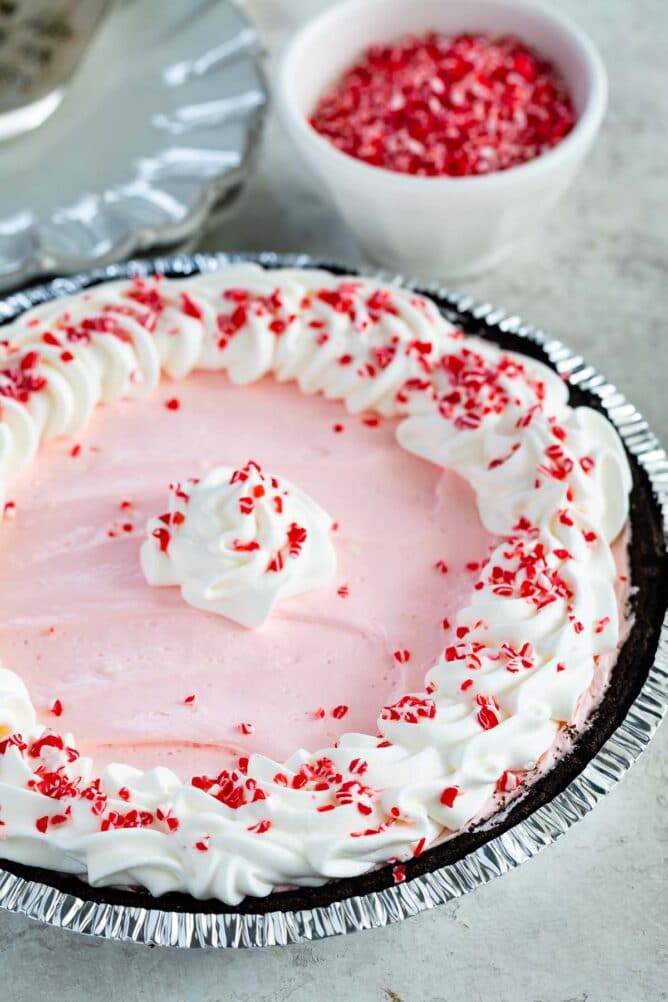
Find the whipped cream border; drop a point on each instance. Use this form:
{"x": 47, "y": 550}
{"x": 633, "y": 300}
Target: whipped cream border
{"x": 440, "y": 746}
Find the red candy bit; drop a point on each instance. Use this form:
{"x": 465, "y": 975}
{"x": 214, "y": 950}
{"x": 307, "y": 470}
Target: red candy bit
{"x": 319, "y": 714}
{"x": 563, "y": 554}
{"x": 9, "y": 510}
{"x": 125, "y": 505}
{"x": 173, "y": 404}
{"x": 240, "y": 547}
{"x": 500, "y": 460}
{"x": 246, "y": 728}
{"x": 338, "y": 428}
{"x": 189, "y": 307}
{"x": 507, "y": 782}
{"x": 297, "y": 536}
{"x": 246, "y": 505}
{"x": 13, "y": 741}
{"x": 587, "y": 464}
{"x": 409, "y": 710}
{"x": 449, "y": 795}
{"x": 441, "y": 566}
{"x": 30, "y": 360}
{"x": 124, "y": 793}
{"x": 371, "y": 421}
{"x": 445, "y": 623}
{"x": 276, "y": 563}
{"x": 261, "y": 827}
{"x": 56, "y": 708}
{"x": 466, "y": 684}
{"x": 487, "y": 718}
{"x": 203, "y": 844}
{"x": 601, "y": 625}
{"x": 340, "y": 711}
{"x": 438, "y": 105}
{"x": 398, "y": 873}
{"x": 190, "y": 700}
{"x": 75, "y": 450}
{"x": 163, "y": 537}
{"x": 42, "y": 824}
{"x": 487, "y": 715}
{"x": 343, "y": 591}
{"x": 168, "y": 818}
{"x": 402, "y": 656}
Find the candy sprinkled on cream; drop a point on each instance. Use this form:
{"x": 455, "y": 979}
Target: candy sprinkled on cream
{"x": 237, "y": 542}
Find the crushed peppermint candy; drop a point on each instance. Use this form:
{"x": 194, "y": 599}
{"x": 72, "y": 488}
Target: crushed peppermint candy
{"x": 439, "y": 105}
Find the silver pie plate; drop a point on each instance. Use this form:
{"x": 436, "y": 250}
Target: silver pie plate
{"x": 157, "y": 128}
{"x": 160, "y": 927}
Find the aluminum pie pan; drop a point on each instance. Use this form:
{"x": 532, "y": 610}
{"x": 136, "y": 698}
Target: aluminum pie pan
{"x": 194, "y": 928}
{"x": 137, "y": 156}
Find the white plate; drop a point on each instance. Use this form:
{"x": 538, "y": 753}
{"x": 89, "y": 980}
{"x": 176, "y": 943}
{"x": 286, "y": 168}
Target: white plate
{"x": 157, "y": 127}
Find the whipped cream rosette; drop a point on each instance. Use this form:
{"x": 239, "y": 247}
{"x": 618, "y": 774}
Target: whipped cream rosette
{"x": 237, "y": 542}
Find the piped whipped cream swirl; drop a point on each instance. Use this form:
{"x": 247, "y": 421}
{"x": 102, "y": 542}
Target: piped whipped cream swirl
{"x": 239, "y": 541}
{"x": 550, "y": 480}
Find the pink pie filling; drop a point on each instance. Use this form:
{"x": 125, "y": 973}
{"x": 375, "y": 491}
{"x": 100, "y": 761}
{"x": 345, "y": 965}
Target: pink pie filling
{"x": 79, "y": 623}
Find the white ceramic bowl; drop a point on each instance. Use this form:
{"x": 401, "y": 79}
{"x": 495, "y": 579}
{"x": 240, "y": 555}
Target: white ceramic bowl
{"x": 438, "y": 227}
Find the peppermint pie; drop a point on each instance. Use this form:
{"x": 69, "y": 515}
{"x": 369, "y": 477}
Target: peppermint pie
{"x": 351, "y": 589}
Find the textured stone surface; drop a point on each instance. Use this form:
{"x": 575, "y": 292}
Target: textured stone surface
{"x": 586, "y": 920}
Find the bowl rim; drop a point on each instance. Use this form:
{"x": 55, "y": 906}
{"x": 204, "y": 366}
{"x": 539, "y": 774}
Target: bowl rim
{"x": 578, "y": 139}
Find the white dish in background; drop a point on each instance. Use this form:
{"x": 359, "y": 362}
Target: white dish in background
{"x": 156, "y": 128}
{"x": 442, "y": 226}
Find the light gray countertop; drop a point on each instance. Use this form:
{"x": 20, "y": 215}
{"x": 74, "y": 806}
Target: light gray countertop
{"x": 585, "y": 921}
